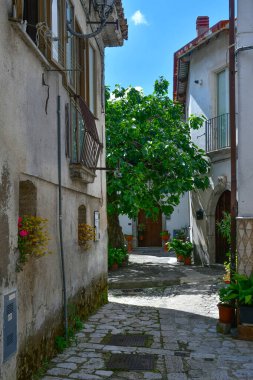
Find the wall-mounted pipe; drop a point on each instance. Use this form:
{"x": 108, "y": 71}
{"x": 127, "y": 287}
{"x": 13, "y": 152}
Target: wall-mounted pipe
{"x": 60, "y": 217}
{"x": 232, "y": 131}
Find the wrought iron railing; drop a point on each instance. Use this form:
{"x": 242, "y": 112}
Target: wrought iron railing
{"x": 217, "y": 133}
{"x": 85, "y": 143}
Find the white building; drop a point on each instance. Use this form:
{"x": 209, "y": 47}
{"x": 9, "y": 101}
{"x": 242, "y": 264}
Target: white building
{"x": 244, "y": 94}
{"x": 52, "y": 96}
{"x": 201, "y": 85}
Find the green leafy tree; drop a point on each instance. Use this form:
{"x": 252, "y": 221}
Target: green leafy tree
{"x": 148, "y": 139}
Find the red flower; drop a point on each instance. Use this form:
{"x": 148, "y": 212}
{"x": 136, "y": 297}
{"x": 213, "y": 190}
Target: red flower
{"x": 23, "y": 233}
{"x": 19, "y": 222}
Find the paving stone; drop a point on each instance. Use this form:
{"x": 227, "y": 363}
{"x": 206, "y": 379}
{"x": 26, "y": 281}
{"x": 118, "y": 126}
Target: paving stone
{"x": 76, "y": 359}
{"x": 174, "y": 364}
{"x": 182, "y": 322}
{"x": 59, "y": 371}
{"x": 67, "y": 365}
{"x": 177, "y": 376}
{"x": 84, "y": 376}
{"x": 104, "y": 373}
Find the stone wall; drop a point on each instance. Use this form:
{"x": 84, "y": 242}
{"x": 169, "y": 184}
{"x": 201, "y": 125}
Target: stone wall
{"x": 245, "y": 245}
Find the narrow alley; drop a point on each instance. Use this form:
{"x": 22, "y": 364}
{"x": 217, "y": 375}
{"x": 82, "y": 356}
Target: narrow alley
{"x": 160, "y": 323}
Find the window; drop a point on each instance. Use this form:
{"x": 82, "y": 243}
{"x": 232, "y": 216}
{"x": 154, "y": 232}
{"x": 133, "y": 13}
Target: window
{"x": 222, "y": 93}
{"x": 222, "y": 110}
{"x": 31, "y": 15}
{"x": 70, "y": 45}
{"x": 27, "y": 198}
{"x": 92, "y": 79}
{"x": 83, "y": 144}
{"x": 56, "y": 27}
{"x": 77, "y": 133}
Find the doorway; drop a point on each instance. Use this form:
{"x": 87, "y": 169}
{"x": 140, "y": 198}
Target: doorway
{"x": 151, "y": 234}
{"x": 221, "y": 245}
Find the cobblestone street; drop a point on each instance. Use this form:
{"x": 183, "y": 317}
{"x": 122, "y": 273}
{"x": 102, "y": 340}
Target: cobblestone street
{"x": 163, "y": 332}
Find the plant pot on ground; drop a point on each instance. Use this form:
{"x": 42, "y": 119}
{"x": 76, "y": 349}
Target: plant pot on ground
{"x": 241, "y": 291}
{"x": 116, "y": 256}
{"x": 165, "y": 235}
{"x": 183, "y": 250}
{"x": 226, "y": 307}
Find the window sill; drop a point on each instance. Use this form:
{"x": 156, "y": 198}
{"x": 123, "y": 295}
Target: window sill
{"x": 79, "y": 172}
{"x": 19, "y": 27}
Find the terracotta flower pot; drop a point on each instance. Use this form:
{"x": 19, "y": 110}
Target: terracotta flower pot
{"x": 226, "y": 313}
{"x": 114, "y": 266}
{"x": 187, "y": 261}
{"x": 129, "y": 239}
{"x": 180, "y": 258}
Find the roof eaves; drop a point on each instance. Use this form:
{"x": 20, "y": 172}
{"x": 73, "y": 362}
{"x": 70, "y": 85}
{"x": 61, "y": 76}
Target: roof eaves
{"x": 187, "y": 49}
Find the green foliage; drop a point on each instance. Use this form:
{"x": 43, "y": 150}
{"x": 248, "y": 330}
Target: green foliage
{"x": 74, "y": 324}
{"x": 32, "y": 239}
{"x": 240, "y": 290}
{"x": 148, "y": 138}
{"x": 42, "y": 370}
{"x": 181, "y": 248}
{"x": 116, "y": 255}
{"x": 141, "y": 227}
{"x": 224, "y": 226}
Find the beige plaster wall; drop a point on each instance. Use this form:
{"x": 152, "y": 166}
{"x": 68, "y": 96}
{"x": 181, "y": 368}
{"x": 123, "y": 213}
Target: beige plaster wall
{"x": 28, "y": 151}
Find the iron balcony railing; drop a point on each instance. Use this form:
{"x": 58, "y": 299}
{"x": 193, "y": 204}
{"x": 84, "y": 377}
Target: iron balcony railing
{"x": 217, "y": 133}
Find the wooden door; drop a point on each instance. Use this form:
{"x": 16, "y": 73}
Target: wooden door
{"x": 221, "y": 245}
{"x": 151, "y": 234}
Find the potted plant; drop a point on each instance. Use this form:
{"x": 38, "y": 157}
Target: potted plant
{"x": 165, "y": 235}
{"x": 117, "y": 257}
{"x": 241, "y": 291}
{"x": 225, "y": 306}
{"x": 129, "y": 239}
{"x": 187, "y": 248}
{"x": 183, "y": 250}
{"x": 141, "y": 228}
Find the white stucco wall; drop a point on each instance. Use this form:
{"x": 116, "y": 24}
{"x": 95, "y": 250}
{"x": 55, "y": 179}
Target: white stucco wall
{"x": 205, "y": 62}
{"x": 180, "y": 217}
{"x": 245, "y": 96}
{"x": 28, "y": 151}
{"x": 126, "y": 224}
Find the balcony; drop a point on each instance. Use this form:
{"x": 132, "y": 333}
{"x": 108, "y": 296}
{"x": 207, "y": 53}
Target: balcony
{"x": 217, "y": 133}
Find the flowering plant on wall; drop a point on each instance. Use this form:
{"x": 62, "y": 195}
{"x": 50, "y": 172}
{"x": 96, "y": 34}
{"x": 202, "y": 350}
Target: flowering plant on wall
{"x": 86, "y": 233}
{"x": 32, "y": 238}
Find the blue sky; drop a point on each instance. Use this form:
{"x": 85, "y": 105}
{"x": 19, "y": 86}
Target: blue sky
{"x": 156, "y": 30}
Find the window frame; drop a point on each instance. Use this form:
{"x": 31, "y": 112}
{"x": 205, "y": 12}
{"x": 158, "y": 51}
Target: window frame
{"x": 89, "y": 46}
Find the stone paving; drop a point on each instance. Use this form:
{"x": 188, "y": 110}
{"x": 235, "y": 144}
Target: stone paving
{"x": 180, "y": 324}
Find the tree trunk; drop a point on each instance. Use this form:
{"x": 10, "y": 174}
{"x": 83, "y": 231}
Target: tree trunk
{"x": 115, "y": 234}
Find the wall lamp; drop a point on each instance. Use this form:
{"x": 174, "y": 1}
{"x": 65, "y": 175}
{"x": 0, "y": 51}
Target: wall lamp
{"x": 104, "y": 8}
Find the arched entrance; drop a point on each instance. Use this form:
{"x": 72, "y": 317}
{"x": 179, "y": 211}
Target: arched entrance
{"x": 221, "y": 245}
{"x": 151, "y": 234}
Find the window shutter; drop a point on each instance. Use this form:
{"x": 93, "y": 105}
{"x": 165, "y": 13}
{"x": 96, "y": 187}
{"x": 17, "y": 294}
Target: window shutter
{"x": 67, "y": 131}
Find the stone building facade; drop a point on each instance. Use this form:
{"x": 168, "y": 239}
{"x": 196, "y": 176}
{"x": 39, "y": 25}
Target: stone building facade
{"x": 52, "y": 133}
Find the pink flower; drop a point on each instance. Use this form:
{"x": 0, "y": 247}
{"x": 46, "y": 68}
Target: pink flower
{"x": 19, "y": 219}
{"x": 23, "y": 233}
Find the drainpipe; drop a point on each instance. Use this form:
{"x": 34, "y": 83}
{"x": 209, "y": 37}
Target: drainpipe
{"x": 60, "y": 217}
{"x": 232, "y": 130}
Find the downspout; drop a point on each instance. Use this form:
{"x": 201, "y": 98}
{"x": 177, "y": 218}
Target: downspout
{"x": 232, "y": 132}
{"x": 60, "y": 217}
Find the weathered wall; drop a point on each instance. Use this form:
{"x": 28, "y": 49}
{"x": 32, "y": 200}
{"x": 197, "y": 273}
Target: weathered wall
{"x": 245, "y": 137}
{"x": 201, "y": 100}
{"x": 28, "y": 152}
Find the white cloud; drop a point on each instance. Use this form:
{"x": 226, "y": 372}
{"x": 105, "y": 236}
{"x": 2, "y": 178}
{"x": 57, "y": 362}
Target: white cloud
{"x": 138, "y": 18}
